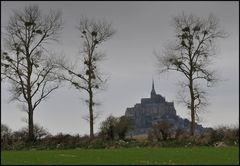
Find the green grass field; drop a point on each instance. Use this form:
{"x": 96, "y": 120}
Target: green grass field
{"x": 194, "y": 155}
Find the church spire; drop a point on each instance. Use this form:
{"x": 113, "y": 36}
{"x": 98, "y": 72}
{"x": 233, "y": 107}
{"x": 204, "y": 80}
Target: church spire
{"x": 153, "y": 93}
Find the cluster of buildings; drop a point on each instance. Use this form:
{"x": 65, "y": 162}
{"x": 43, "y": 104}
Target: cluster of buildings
{"x": 154, "y": 110}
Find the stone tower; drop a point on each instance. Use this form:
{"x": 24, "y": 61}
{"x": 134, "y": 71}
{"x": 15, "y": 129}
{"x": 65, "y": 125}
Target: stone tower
{"x": 153, "y": 92}
{"x": 153, "y": 110}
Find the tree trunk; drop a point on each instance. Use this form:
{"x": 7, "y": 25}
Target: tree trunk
{"x": 193, "y": 121}
{"x": 30, "y": 124}
{"x": 29, "y": 98}
{"x": 91, "y": 114}
{"x": 192, "y": 109}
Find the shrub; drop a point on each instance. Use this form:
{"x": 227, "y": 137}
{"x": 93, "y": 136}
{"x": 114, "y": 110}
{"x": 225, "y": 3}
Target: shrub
{"x": 115, "y": 128}
{"x": 160, "y": 131}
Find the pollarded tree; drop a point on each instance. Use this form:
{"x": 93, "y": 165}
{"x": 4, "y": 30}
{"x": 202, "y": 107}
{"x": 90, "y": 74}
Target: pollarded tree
{"x": 25, "y": 62}
{"x": 191, "y": 55}
{"x": 93, "y": 35}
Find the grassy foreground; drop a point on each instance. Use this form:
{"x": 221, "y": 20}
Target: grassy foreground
{"x": 194, "y": 155}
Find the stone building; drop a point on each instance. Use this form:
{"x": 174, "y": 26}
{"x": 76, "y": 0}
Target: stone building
{"x": 153, "y": 110}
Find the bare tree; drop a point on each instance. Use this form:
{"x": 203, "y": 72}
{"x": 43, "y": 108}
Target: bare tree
{"x": 25, "y": 62}
{"x": 93, "y": 34}
{"x": 191, "y": 54}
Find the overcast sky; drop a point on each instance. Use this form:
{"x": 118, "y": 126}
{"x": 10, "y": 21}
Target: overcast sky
{"x": 142, "y": 28}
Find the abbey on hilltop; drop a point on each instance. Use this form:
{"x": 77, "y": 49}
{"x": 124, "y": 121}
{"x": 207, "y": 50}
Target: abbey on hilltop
{"x": 153, "y": 110}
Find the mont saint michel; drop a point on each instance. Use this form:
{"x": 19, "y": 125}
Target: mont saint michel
{"x": 153, "y": 110}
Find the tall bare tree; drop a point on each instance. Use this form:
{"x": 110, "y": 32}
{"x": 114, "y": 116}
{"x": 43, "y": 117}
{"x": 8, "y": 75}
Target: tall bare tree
{"x": 93, "y": 35}
{"x": 190, "y": 55}
{"x": 25, "y": 62}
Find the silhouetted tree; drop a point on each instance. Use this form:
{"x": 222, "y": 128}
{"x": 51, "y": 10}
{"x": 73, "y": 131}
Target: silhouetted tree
{"x": 108, "y": 128}
{"x": 115, "y": 127}
{"x": 123, "y": 125}
{"x": 191, "y": 54}
{"x": 25, "y": 63}
{"x": 93, "y": 35}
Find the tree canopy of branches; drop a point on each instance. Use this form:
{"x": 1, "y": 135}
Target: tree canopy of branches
{"x": 93, "y": 35}
{"x": 191, "y": 55}
{"x": 25, "y": 62}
